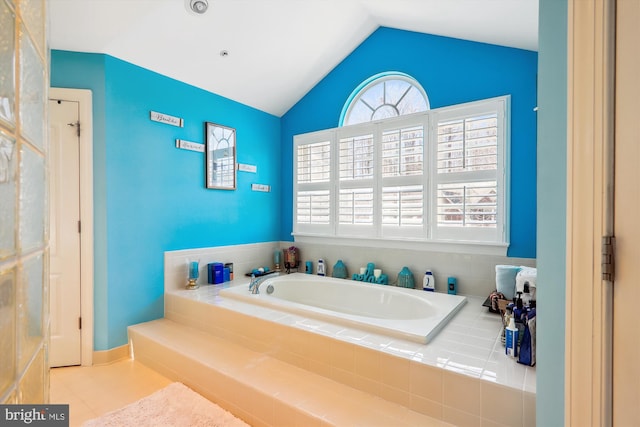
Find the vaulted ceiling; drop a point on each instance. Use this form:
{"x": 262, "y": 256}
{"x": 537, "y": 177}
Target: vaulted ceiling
{"x": 276, "y": 50}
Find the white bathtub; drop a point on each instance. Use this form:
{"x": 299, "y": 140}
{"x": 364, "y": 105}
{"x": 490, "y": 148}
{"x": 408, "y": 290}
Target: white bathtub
{"x": 398, "y": 312}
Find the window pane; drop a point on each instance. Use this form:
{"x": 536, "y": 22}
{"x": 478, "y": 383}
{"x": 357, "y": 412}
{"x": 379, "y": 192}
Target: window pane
{"x": 396, "y": 91}
{"x": 389, "y": 95}
{"x": 224, "y": 168}
{"x": 467, "y": 204}
{"x": 402, "y": 206}
{"x": 314, "y": 162}
{"x": 313, "y": 207}
{"x": 384, "y": 112}
{"x": 481, "y": 138}
{"x": 469, "y": 144}
{"x": 374, "y": 95}
{"x": 450, "y": 146}
{"x": 356, "y": 206}
{"x": 413, "y": 102}
{"x": 356, "y": 157}
{"x": 402, "y": 152}
{"x": 360, "y": 113}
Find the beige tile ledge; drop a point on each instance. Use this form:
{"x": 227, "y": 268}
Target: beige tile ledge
{"x": 260, "y": 389}
{"x": 430, "y": 379}
{"x": 469, "y": 344}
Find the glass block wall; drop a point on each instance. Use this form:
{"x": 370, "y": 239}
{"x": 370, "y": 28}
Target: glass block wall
{"x": 24, "y": 307}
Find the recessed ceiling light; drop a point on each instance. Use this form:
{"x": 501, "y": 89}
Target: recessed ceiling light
{"x": 198, "y": 6}
{"x": 224, "y": 53}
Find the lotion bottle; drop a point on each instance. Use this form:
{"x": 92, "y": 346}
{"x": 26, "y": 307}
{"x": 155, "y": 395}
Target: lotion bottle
{"x": 320, "y": 267}
{"x": 428, "y": 282}
{"x": 511, "y": 333}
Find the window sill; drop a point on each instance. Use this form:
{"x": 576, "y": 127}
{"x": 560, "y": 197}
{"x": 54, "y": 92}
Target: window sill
{"x": 476, "y": 248}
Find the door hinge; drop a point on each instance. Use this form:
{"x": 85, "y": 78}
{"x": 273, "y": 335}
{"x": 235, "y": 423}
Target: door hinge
{"x": 79, "y": 227}
{"x": 79, "y": 322}
{"x": 608, "y": 258}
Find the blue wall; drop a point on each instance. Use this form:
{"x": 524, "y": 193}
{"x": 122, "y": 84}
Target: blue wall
{"x": 552, "y": 196}
{"x": 451, "y": 71}
{"x": 149, "y": 197}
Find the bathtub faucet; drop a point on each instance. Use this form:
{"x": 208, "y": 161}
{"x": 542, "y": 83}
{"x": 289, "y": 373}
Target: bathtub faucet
{"x": 254, "y": 286}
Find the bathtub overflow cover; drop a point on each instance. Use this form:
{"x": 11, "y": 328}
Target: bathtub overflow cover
{"x": 270, "y": 289}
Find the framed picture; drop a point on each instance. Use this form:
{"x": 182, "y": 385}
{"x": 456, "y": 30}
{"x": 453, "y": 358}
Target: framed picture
{"x": 220, "y": 156}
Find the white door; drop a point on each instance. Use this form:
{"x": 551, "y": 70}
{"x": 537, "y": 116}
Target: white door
{"x": 64, "y": 178}
{"x": 626, "y": 290}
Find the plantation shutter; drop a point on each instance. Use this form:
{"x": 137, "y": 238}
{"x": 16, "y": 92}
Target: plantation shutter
{"x": 436, "y": 177}
{"x": 403, "y": 178}
{"x": 469, "y": 155}
{"x": 356, "y": 169}
{"x": 312, "y": 201}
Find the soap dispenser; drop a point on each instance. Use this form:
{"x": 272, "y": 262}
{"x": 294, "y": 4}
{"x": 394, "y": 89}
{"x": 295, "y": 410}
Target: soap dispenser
{"x": 428, "y": 282}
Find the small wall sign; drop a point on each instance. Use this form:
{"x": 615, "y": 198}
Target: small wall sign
{"x": 165, "y": 118}
{"x": 261, "y": 187}
{"x": 188, "y": 145}
{"x": 247, "y": 168}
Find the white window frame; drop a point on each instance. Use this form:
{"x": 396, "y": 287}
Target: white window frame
{"x": 429, "y": 236}
{"x": 358, "y": 94}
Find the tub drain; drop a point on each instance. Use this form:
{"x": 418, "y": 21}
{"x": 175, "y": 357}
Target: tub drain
{"x": 270, "y": 289}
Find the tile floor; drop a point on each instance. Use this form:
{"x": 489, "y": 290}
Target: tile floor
{"x": 96, "y": 390}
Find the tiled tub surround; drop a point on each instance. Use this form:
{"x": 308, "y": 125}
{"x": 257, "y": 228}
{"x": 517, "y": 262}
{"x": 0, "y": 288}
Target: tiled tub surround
{"x": 475, "y": 274}
{"x": 244, "y": 258}
{"x": 462, "y": 376}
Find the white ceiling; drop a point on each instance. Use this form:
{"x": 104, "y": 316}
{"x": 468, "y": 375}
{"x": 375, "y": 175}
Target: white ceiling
{"x": 278, "y": 49}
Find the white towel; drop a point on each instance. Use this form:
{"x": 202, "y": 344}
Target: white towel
{"x": 527, "y": 275}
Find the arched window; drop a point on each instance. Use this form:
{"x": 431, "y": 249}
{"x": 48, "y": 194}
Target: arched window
{"x": 382, "y": 96}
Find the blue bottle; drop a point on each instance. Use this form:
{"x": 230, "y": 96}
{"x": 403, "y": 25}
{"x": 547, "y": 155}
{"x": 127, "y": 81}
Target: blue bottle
{"x": 452, "y": 285}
